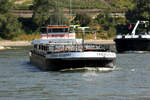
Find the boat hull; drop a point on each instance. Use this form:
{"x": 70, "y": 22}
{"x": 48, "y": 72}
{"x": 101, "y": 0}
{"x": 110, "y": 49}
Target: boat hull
{"x": 55, "y": 64}
{"x": 132, "y": 44}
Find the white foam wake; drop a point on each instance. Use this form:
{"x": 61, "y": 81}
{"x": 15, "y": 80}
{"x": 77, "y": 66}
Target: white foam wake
{"x": 91, "y": 69}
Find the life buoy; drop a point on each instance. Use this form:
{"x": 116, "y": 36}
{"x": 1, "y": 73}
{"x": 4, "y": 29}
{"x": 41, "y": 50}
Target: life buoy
{"x": 59, "y": 50}
{"x": 89, "y": 48}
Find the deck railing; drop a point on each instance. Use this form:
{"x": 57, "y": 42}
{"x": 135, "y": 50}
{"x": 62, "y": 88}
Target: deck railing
{"x": 44, "y": 49}
{"x": 72, "y": 47}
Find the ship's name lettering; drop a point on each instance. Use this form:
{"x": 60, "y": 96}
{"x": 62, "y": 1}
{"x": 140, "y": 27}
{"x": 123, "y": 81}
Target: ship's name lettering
{"x": 102, "y": 54}
{"x": 68, "y": 54}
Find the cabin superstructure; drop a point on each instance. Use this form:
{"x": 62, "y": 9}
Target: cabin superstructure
{"x": 57, "y": 32}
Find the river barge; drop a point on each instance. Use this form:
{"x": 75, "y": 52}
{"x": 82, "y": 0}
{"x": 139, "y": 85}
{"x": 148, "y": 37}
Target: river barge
{"x": 58, "y": 49}
{"x": 134, "y": 42}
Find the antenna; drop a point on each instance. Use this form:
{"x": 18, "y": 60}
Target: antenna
{"x": 57, "y": 11}
{"x": 70, "y": 7}
{"x": 70, "y": 10}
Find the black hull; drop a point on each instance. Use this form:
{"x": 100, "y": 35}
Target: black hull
{"x": 131, "y": 44}
{"x": 59, "y": 64}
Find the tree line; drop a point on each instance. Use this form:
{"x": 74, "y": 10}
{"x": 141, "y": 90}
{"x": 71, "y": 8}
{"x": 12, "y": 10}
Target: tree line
{"x": 84, "y": 4}
{"x": 12, "y": 26}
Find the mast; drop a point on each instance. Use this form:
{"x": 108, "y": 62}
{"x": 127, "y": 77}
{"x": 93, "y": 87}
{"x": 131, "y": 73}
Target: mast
{"x": 70, "y": 7}
{"x": 83, "y": 33}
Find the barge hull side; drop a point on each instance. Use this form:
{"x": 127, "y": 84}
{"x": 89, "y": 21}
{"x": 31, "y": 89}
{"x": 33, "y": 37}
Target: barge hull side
{"x": 58, "y": 64}
{"x": 123, "y": 45}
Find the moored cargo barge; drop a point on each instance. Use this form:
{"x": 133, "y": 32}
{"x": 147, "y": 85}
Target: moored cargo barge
{"x": 136, "y": 41}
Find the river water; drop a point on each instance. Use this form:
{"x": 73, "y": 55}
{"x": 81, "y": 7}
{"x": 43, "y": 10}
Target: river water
{"x": 21, "y": 81}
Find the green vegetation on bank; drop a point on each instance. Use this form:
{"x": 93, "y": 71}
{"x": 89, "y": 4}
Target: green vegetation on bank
{"x": 104, "y": 25}
{"x": 9, "y": 25}
{"x": 22, "y": 4}
{"x": 119, "y": 5}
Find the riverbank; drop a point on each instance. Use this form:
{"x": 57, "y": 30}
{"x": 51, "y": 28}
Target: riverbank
{"x": 8, "y": 44}
{"x": 2, "y": 47}
{"x": 14, "y": 43}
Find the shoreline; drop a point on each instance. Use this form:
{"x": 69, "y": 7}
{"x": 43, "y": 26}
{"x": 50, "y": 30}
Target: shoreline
{"x": 6, "y": 44}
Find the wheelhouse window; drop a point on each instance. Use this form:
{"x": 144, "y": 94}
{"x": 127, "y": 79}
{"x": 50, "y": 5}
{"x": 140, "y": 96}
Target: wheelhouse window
{"x": 54, "y": 30}
{"x": 57, "y": 30}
